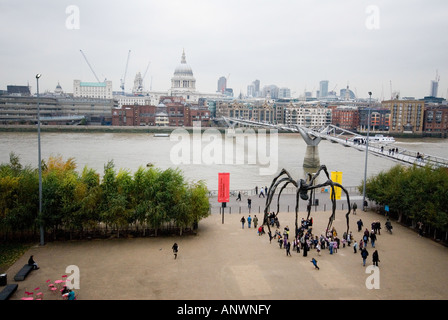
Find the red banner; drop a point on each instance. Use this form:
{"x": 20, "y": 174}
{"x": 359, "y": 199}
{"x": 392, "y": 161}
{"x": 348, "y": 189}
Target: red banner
{"x": 223, "y": 187}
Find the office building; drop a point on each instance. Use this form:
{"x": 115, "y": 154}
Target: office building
{"x": 222, "y": 84}
{"x": 323, "y": 89}
{"x": 97, "y": 90}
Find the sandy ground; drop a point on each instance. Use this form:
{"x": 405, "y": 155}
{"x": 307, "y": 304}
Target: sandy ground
{"x": 225, "y": 262}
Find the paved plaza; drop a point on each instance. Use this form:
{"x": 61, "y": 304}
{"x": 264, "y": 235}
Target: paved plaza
{"x": 224, "y": 262}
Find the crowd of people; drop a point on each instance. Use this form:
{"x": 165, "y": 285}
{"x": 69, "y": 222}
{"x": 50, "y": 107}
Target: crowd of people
{"x": 304, "y": 240}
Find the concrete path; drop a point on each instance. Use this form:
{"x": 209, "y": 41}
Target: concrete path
{"x": 224, "y": 261}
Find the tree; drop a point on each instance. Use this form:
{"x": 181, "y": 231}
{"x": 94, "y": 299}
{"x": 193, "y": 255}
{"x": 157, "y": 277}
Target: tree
{"x": 418, "y": 193}
{"x": 73, "y": 201}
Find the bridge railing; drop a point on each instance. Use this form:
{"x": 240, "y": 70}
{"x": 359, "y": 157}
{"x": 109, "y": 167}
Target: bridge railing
{"x": 342, "y": 136}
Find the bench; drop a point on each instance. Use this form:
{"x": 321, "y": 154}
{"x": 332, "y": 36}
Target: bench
{"x": 21, "y": 275}
{"x": 7, "y": 292}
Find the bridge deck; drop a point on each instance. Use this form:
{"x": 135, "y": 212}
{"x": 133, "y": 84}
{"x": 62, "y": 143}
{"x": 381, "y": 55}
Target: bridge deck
{"x": 343, "y": 137}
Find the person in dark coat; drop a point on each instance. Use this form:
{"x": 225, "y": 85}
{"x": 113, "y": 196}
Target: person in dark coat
{"x": 360, "y": 225}
{"x": 354, "y": 207}
{"x": 305, "y": 249}
{"x": 375, "y": 258}
{"x": 33, "y": 263}
{"x": 364, "y": 255}
{"x": 175, "y": 248}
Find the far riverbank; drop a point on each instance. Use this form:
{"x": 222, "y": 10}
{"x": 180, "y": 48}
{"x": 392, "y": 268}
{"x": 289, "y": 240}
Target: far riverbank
{"x": 153, "y": 129}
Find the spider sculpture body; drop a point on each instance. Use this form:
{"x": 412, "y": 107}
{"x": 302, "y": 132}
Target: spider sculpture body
{"x": 283, "y": 179}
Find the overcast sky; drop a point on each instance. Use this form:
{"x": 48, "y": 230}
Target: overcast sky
{"x": 290, "y": 43}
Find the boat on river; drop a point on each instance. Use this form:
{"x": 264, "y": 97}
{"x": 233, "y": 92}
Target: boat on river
{"x": 378, "y": 138}
{"x": 381, "y": 139}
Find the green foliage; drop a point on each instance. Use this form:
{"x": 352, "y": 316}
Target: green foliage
{"x": 74, "y": 201}
{"x": 418, "y": 193}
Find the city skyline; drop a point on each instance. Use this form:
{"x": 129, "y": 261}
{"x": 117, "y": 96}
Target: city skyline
{"x": 372, "y": 46}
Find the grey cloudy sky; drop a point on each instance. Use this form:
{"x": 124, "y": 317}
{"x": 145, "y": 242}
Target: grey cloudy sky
{"x": 290, "y": 43}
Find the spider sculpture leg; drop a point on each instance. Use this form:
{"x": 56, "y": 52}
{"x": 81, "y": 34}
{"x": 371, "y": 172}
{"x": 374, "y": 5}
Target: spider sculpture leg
{"x": 271, "y": 193}
{"x": 333, "y": 201}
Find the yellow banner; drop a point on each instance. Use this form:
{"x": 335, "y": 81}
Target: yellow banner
{"x": 336, "y": 176}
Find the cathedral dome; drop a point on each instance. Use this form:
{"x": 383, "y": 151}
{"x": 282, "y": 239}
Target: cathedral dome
{"x": 183, "y": 69}
{"x": 183, "y": 79}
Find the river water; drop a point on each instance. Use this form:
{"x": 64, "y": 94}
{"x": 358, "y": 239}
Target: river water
{"x": 132, "y": 150}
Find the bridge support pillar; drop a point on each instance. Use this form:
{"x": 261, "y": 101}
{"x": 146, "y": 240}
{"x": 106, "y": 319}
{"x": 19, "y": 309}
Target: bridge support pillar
{"x": 311, "y": 159}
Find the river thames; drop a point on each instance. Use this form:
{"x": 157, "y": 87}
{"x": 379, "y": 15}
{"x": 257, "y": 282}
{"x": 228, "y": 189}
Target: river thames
{"x": 132, "y": 150}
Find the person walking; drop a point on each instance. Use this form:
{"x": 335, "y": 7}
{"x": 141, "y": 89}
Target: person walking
{"x": 239, "y": 196}
{"x": 354, "y": 207}
{"x": 314, "y": 262}
{"x": 243, "y": 220}
{"x": 305, "y": 249}
{"x": 255, "y": 221}
{"x": 249, "y": 203}
{"x": 175, "y": 248}
{"x": 249, "y": 221}
{"x": 360, "y": 225}
{"x": 364, "y": 255}
{"x": 288, "y": 248}
{"x": 420, "y": 228}
{"x": 375, "y": 258}
{"x": 372, "y": 238}
{"x": 318, "y": 248}
{"x": 355, "y": 246}
{"x": 365, "y": 238}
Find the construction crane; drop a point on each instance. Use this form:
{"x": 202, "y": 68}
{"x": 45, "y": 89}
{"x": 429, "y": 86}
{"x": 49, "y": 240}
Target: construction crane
{"x": 334, "y": 89}
{"x": 146, "y": 71}
{"x": 89, "y": 65}
{"x": 125, "y": 71}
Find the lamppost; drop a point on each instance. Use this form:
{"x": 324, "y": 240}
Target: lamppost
{"x": 42, "y": 242}
{"x": 367, "y": 153}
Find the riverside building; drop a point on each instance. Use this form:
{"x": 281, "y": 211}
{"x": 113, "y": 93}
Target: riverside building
{"x": 98, "y": 90}
{"x": 406, "y": 116}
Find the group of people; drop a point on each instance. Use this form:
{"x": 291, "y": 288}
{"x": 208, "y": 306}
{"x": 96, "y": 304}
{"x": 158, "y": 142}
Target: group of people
{"x": 263, "y": 191}
{"x": 273, "y": 220}
{"x": 68, "y": 294}
{"x": 329, "y": 240}
{"x": 249, "y": 221}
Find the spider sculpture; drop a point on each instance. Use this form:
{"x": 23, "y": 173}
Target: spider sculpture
{"x": 302, "y": 193}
